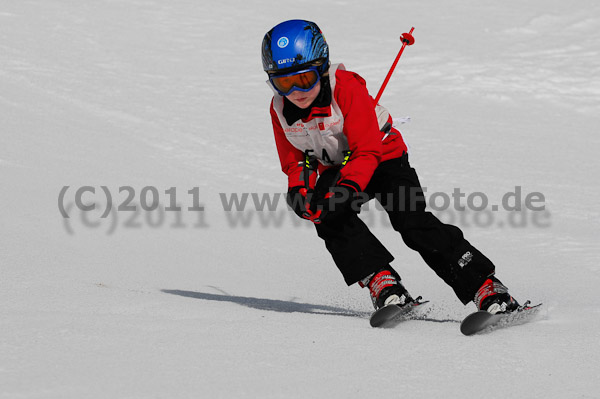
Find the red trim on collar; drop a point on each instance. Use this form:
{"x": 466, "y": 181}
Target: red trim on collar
{"x": 318, "y": 112}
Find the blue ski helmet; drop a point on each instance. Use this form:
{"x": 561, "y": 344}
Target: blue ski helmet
{"x": 292, "y": 45}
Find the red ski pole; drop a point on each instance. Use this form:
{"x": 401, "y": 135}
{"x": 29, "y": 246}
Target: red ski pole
{"x": 407, "y": 40}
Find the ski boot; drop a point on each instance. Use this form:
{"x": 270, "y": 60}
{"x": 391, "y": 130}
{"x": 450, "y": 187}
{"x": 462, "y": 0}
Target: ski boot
{"x": 493, "y": 297}
{"x": 385, "y": 288}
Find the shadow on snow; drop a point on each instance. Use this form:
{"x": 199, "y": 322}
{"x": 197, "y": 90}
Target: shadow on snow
{"x": 274, "y": 305}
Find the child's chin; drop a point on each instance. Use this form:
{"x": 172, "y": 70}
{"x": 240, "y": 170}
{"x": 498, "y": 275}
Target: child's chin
{"x": 302, "y": 103}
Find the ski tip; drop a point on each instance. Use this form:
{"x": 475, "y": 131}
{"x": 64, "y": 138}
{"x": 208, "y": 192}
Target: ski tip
{"x": 386, "y": 315}
{"x": 481, "y": 321}
{"x": 475, "y": 322}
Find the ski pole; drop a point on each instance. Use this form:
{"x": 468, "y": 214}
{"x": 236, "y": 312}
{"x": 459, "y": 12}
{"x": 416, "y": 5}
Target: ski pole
{"x": 308, "y": 168}
{"x": 407, "y": 40}
{"x": 317, "y": 216}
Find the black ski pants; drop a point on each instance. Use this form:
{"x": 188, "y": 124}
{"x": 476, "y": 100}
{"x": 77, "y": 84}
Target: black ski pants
{"x": 358, "y": 253}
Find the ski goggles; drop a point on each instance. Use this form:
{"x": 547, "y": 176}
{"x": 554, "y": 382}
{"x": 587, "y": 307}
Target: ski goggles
{"x": 304, "y": 80}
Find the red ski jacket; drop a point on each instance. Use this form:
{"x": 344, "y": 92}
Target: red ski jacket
{"x": 350, "y": 120}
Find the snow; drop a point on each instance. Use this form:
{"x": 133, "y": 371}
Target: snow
{"x": 216, "y": 304}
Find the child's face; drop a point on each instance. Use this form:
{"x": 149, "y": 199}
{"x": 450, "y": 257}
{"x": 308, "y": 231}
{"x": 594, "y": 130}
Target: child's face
{"x": 303, "y": 99}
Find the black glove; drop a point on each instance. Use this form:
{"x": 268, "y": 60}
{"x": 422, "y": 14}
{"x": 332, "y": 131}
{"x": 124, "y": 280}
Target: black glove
{"x": 337, "y": 201}
{"x": 298, "y": 199}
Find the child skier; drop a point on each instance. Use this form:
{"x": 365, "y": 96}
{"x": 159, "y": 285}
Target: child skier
{"x": 327, "y": 125}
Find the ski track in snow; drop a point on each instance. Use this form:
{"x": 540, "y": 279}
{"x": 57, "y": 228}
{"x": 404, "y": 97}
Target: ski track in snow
{"x": 249, "y": 304}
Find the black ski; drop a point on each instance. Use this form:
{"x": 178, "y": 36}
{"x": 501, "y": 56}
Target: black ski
{"x": 483, "y": 321}
{"x": 391, "y": 314}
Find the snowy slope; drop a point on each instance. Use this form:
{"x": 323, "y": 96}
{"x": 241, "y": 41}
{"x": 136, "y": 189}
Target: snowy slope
{"x": 143, "y": 93}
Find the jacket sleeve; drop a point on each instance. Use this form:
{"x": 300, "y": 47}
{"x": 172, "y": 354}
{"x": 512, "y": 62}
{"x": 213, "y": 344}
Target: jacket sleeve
{"x": 360, "y": 127}
{"x": 291, "y": 158}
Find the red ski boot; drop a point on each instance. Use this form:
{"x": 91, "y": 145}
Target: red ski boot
{"x": 385, "y": 288}
{"x": 493, "y": 297}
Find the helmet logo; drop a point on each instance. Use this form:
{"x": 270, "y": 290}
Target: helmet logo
{"x": 285, "y": 60}
{"x": 283, "y": 42}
